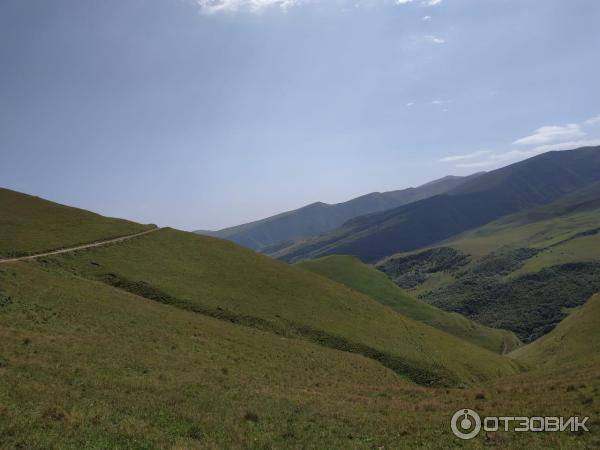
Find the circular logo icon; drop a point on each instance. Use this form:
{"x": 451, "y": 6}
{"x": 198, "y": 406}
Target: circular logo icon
{"x": 466, "y": 424}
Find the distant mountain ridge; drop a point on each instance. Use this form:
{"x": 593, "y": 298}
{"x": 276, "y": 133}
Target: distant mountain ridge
{"x": 318, "y": 218}
{"x": 533, "y": 182}
{"x": 522, "y": 272}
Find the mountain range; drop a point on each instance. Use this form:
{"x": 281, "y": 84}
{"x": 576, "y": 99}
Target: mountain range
{"x": 523, "y": 272}
{"x": 268, "y": 234}
{"x": 526, "y": 184}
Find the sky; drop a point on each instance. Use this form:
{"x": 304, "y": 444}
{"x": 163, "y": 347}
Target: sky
{"x": 202, "y": 114}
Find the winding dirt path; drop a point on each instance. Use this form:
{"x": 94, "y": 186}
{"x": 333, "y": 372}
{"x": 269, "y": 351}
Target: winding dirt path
{"x": 79, "y": 247}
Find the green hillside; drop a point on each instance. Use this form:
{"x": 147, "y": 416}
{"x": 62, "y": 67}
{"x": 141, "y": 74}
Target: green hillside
{"x": 225, "y": 348}
{"x": 576, "y": 340}
{"x": 536, "y": 181}
{"x": 520, "y": 272}
{"x": 86, "y": 365}
{"x": 351, "y": 272}
{"x": 89, "y": 366}
{"x": 221, "y": 279}
{"x": 539, "y": 227}
{"x": 319, "y": 217}
{"x": 33, "y": 225}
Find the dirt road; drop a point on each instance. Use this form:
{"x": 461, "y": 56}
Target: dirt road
{"x": 79, "y": 247}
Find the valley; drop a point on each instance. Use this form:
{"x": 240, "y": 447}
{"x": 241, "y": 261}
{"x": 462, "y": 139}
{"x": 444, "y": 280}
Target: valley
{"x": 523, "y": 272}
{"x": 162, "y": 338}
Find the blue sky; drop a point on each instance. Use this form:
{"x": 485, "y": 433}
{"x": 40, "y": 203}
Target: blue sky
{"x": 204, "y": 114}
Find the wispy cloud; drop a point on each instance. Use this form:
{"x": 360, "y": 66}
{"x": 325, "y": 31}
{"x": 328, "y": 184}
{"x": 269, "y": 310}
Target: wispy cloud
{"x": 217, "y": 6}
{"x": 592, "y": 121}
{"x": 465, "y": 156}
{"x": 542, "y": 140}
{"x": 426, "y": 17}
{"x": 420, "y": 2}
{"x": 434, "y": 39}
{"x": 475, "y": 164}
{"x": 504, "y": 157}
{"x": 552, "y": 133}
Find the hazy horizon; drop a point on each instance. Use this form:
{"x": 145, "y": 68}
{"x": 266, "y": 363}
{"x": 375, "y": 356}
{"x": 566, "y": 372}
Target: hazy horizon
{"x": 212, "y": 113}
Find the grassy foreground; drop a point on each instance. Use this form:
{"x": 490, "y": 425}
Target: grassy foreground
{"x": 353, "y": 273}
{"x": 221, "y": 279}
{"x": 88, "y": 366}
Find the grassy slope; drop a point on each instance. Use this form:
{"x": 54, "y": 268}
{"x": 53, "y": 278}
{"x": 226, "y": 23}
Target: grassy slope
{"x": 32, "y": 225}
{"x": 89, "y": 366}
{"x": 549, "y": 227}
{"x": 530, "y": 305}
{"x": 563, "y": 232}
{"x": 353, "y": 273}
{"x": 564, "y": 239}
{"x": 546, "y": 226}
{"x": 560, "y": 239}
{"x": 576, "y": 340}
{"x": 221, "y": 279}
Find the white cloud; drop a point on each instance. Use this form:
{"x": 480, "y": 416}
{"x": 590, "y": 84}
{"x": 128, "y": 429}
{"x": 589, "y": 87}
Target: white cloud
{"x": 434, "y": 39}
{"x": 410, "y": 104}
{"x": 547, "y": 134}
{"x": 426, "y": 17}
{"x": 544, "y": 139}
{"x": 592, "y": 121}
{"x": 499, "y": 158}
{"x": 475, "y": 164}
{"x": 421, "y": 3}
{"x": 473, "y": 155}
{"x": 215, "y": 6}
